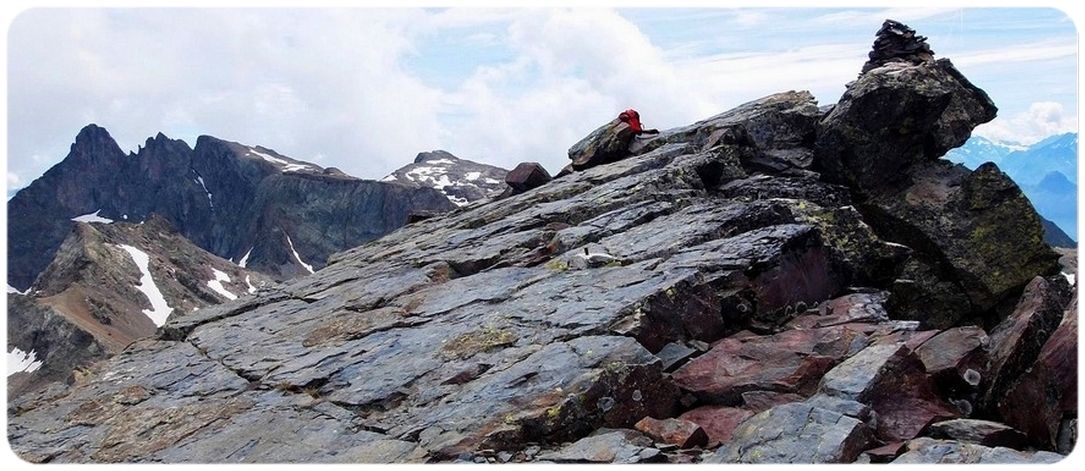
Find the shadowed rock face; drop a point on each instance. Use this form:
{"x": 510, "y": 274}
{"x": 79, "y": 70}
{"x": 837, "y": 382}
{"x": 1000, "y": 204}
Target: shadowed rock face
{"x": 529, "y": 327}
{"x": 227, "y": 198}
{"x": 88, "y": 303}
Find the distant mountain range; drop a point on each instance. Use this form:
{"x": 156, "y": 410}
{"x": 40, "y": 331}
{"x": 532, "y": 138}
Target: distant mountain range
{"x": 1046, "y": 171}
{"x": 106, "y": 246}
{"x": 280, "y": 215}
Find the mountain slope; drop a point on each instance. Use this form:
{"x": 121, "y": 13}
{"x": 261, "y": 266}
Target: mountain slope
{"x": 461, "y": 180}
{"x": 1057, "y": 153}
{"x": 114, "y": 283}
{"x": 230, "y": 199}
{"x": 512, "y": 327}
{"x": 979, "y": 150}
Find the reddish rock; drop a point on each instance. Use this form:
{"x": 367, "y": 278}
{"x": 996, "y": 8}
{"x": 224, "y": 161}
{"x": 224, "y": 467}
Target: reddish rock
{"x": 717, "y": 421}
{"x": 893, "y": 382}
{"x": 884, "y": 453}
{"x": 1045, "y": 395}
{"x": 679, "y": 432}
{"x": 792, "y": 361}
{"x": 857, "y": 308}
{"x": 955, "y": 350}
{"x": 526, "y": 176}
{"x": 1016, "y": 342}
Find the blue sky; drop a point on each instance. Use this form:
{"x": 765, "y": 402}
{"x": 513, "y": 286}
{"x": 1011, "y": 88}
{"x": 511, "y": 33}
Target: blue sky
{"x": 365, "y": 90}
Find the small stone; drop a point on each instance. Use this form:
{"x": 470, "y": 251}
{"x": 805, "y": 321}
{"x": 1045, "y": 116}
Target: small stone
{"x": 682, "y": 433}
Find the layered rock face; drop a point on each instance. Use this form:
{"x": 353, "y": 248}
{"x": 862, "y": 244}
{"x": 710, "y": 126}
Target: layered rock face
{"x": 721, "y": 292}
{"x": 282, "y": 216}
{"x": 109, "y": 285}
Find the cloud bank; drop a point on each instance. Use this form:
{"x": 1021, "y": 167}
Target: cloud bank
{"x": 365, "y": 90}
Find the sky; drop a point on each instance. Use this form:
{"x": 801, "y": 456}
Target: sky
{"x": 365, "y": 90}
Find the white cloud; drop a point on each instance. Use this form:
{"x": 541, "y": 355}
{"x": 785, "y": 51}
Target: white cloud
{"x": 14, "y": 180}
{"x": 332, "y": 85}
{"x": 1042, "y": 119}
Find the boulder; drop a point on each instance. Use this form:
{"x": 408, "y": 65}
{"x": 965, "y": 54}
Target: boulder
{"x": 791, "y": 361}
{"x": 979, "y": 432}
{"x": 978, "y": 240}
{"x": 928, "y": 450}
{"x": 798, "y": 432}
{"x": 526, "y": 176}
{"x": 979, "y": 237}
{"x": 718, "y": 422}
{"x": 956, "y": 360}
{"x": 896, "y": 116}
{"x": 1016, "y": 342}
{"x": 679, "y": 432}
{"x": 606, "y": 446}
{"x": 606, "y": 144}
{"x": 889, "y": 378}
{"x": 1042, "y": 402}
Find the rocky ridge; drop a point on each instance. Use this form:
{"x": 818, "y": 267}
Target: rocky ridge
{"x": 281, "y": 215}
{"x": 750, "y": 283}
{"x": 94, "y": 298}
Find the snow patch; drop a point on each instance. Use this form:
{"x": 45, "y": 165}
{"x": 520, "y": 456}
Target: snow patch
{"x": 492, "y": 181}
{"x": 14, "y": 290}
{"x": 298, "y": 257}
{"x": 216, "y": 284}
{"x": 472, "y": 175}
{"x": 441, "y": 162}
{"x": 252, "y": 289}
{"x": 92, "y": 217}
{"x": 389, "y": 178}
{"x": 160, "y": 310}
{"x": 20, "y": 361}
{"x": 199, "y": 179}
{"x": 1070, "y": 277}
{"x": 245, "y": 259}
{"x": 286, "y": 165}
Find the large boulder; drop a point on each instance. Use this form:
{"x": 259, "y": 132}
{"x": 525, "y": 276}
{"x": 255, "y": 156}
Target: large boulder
{"x": 896, "y": 116}
{"x": 977, "y": 238}
{"x": 888, "y": 377}
{"x": 1017, "y": 341}
{"x": 606, "y": 144}
{"x": 1043, "y": 400}
{"x": 821, "y": 430}
{"x": 526, "y": 176}
{"x": 973, "y": 228}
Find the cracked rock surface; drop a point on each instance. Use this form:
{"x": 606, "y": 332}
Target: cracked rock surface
{"x": 528, "y": 328}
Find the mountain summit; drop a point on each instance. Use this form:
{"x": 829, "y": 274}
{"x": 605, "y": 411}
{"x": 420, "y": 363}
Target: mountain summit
{"x": 780, "y": 282}
{"x": 462, "y": 181}
{"x": 281, "y": 215}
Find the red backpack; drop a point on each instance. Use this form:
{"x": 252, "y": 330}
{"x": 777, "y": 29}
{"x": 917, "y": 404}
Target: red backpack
{"x": 632, "y": 118}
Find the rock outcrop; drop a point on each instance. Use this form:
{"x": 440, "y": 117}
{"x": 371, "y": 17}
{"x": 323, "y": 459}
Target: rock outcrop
{"x": 526, "y": 176}
{"x": 281, "y": 215}
{"x": 111, "y": 284}
{"x": 726, "y": 286}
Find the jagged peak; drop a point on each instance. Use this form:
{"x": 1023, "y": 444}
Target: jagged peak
{"x": 92, "y": 133}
